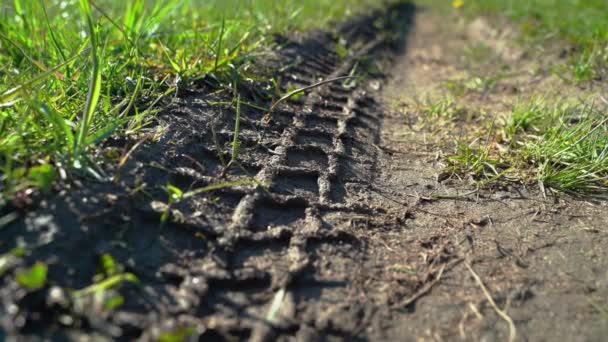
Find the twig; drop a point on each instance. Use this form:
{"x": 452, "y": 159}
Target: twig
{"x": 441, "y": 196}
{"x": 501, "y": 313}
{"x": 427, "y": 287}
{"x": 127, "y": 155}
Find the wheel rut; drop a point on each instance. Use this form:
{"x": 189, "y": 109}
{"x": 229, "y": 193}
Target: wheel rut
{"x": 224, "y": 256}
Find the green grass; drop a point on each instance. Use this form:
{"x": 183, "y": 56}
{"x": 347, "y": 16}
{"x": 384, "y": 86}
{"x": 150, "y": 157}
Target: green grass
{"x": 559, "y": 147}
{"x": 580, "y": 23}
{"x": 479, "y": 84}
{"x": 571, "y": 152}
{"x": 73, "y": 73}
{"x": 435, "y": 116}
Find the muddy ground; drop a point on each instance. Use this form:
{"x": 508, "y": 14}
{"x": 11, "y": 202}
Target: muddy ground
{"x": 354, "y": 234}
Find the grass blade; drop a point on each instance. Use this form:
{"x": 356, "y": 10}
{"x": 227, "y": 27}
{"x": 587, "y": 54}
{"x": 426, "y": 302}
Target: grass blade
{"x": 275, "y": 307}
{"x": 312, "y": 86}
{"x": 218, "y": 51}
{"x": 106, "y": 284}
{"x": 61, "y": 129}
{"x": 237, "y": 127}
{"x": 11, "y": 96}
{"x": 220, "y": 186}
{"x": 94, "y": 84}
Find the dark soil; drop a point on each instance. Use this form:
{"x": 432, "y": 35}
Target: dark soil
{"x": 344, "y": 236}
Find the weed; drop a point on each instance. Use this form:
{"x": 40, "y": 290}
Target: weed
{"x": 236, "y": 144}
{"x": 560, "y": 147}
{"x": 525, "y": 118}
{"x": 602, "y": 310}
{"x": 42, "y": 177}
{"x": 94, "y": 86}
{"x": 478, "y": 53}
{"x": 101, "y": 295}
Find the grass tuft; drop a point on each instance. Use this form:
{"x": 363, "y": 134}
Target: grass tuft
{"x": 561, "y": 147}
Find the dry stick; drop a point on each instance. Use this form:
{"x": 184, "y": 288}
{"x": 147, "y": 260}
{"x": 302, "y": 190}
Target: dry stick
{"x": 461, "y": 331}
{"x": 472, "y": 310}
{"x": 501, "y": 313}
{"x": 126, "y": 157}
{"x": 427, "y": 287}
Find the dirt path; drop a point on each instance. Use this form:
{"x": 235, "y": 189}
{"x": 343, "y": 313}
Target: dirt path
{"x": 542, "y": 260}
{"x": 347, "y": 241}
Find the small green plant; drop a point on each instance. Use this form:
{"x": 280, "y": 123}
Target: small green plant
{"x": 602, "y": 310}
{"x": 583, "y": 67}
{"x": 434, "y": 113}
{"x": 479, "y": 53}
{"x": 444, "y": 108}
{"x": 42, "y": 177}
{"x": 342, "y": 50}
{"x": 560, "y": 147}
{"x": 236, "y": 144}
{"x": 296, "y": 96}
{"x": 106, "y": 284}
{"x": 572, "y": 156}
{"x": 276, "y": 305}
{"x": 111, "y": 275}
{"x": 102, "y": 295}
{"x": 176, "y": 195}
{"x": 34, "y": 278}
{"x": 109, "y": 266}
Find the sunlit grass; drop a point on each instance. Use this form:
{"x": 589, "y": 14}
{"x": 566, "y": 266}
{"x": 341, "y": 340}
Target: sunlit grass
{"x": 70, "y": 78}
{"x": 559, "y": 147}
{"x": 570, "y": 150}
